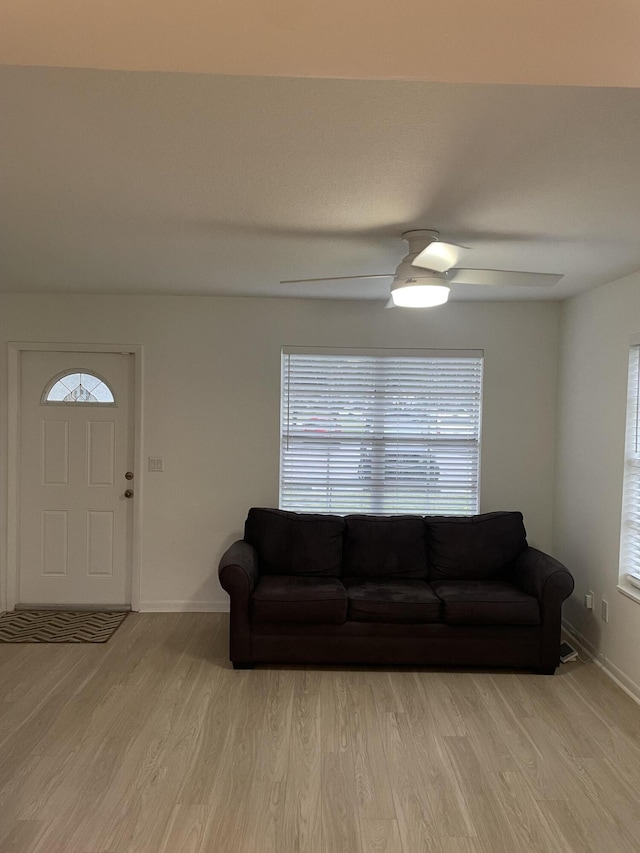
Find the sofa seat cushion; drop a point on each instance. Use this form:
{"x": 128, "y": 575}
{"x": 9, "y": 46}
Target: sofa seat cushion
{"x": 378, "y": 546}
{"x": 295, "y": 543}
{"x": 392, "y": 600}
{"x": 486, "y": 603}
{"x": 474, "y": 547}
{"x": 288, "y": 598}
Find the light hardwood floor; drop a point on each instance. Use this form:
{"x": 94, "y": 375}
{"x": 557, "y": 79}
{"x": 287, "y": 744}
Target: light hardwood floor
{"x": 153, "y": 743}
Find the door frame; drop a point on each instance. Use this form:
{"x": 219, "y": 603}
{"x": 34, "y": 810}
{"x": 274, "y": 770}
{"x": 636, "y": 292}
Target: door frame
{"x": 8, "y": 590}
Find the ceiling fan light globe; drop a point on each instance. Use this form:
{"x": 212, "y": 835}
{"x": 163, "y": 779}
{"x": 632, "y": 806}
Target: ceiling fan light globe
{"x": 419, "y": 295}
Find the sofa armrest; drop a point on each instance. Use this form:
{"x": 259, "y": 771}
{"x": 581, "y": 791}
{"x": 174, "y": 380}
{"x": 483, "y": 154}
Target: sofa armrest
{"x": 544, "y": 577}
{"x": 238, "y": 569}
{"x": 238, "y": 573}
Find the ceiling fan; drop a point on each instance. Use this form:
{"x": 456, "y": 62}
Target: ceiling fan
{"x": 423, "y": 276}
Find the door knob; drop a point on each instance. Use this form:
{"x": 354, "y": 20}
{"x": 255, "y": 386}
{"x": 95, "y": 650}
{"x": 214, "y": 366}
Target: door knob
{"x": 129, "y": 475}
{"x": 128, "y": 493}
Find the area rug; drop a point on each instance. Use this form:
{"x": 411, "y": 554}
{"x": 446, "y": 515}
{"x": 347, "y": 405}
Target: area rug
{"x": 59, "y": 626}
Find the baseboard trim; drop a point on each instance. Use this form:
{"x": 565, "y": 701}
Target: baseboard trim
{"x": 623, "y": 681}
{"x": 609, "y": 669}
{"x": 585, "y": 646}
{"x": 184, "y": 606}
{"x": 84, "y": 608}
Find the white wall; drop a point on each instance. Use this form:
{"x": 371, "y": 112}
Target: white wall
{"x": 592, "y": 390}
{"x": 211, "y": 405}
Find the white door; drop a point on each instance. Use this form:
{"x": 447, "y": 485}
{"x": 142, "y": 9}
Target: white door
{"x": 76, "y": 446}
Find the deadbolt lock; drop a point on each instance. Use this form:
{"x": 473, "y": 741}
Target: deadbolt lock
{"x": 129, "y": 475}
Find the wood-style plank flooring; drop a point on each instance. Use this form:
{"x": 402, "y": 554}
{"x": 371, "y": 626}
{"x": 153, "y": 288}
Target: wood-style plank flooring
{"x": 154, "y": 743}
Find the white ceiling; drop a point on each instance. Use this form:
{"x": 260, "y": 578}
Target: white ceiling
{"x": 127, "y": 182}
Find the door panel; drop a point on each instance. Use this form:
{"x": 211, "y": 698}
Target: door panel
{"x": 55, "y": 453}
{"x": 101, "y": 447}
{"x": 75, "y": 523}
{"x": 55, "y": 542}
{"x": 100, "y": 538}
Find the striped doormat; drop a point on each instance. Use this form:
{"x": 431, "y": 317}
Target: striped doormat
{"x": 59, "y": 626}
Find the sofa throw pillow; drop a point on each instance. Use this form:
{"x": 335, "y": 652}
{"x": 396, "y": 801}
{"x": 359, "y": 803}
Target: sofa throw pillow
{"x": 295, "y": 543}
{"x": 475, "y": 547}
{"x": 316, "y": 545}
{"x": 384, "y": 547}
{"x": 268, "y": 530}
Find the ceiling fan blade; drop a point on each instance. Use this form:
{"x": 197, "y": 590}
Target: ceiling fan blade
{"x": 438, "y": 256}
{"x": 337, "y": 278}
{"x": 503, "y": 278}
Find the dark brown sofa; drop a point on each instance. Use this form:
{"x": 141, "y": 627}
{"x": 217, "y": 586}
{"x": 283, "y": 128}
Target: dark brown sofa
{"x": 323, "y": 589}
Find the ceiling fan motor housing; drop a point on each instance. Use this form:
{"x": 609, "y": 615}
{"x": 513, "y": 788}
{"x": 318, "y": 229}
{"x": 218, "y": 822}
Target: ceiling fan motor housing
{"x": 414, "y": 286}
{"x": 406, "y": 273}
{"x": 419, "y": 240}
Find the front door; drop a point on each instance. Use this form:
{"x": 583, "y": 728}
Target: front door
{"x": 76, "y": 480}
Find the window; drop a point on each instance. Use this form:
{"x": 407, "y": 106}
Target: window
{"x": 383, "y": 432}
{"x": 630, "y": 534}
{"x": 78, "y": 387}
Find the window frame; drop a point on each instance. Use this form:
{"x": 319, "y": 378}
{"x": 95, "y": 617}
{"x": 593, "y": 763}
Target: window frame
{"x": 630, "y": 527}
{"x": 389, "y": 443}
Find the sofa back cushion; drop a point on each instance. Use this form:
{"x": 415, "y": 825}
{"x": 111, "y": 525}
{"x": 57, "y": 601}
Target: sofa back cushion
{"x": 295, "y": 543}
{"x": 377, "y": 546}
{"x": 474, "y": 547}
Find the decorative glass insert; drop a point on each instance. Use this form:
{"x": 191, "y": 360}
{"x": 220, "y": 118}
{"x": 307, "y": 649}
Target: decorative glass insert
{"x": 79, "y": 387}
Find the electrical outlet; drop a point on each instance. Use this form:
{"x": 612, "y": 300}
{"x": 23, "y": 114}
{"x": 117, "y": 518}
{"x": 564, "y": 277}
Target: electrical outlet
{"x": 604, "y": 610}
{"x": 588, "y": 600}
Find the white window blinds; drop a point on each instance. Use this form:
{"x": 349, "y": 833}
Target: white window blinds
{"x": 630, "y": 538}
{"x": 381, "y": 433}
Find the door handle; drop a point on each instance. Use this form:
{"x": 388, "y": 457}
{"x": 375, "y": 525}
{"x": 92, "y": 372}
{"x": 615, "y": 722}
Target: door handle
{"x": 128, "y": 493}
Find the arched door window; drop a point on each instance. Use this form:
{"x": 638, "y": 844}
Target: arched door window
{"x": 78, "y": 387}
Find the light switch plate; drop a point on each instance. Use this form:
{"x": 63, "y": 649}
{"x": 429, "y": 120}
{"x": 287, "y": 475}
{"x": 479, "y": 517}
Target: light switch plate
{"x": 155, "y": 463}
